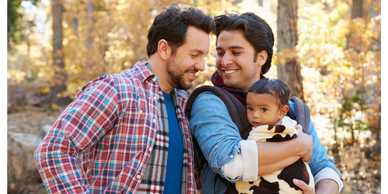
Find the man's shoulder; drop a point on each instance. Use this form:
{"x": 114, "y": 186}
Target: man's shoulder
{"x": 207, "y": 93}
{"x": 139, "y": 71}
{"x": 202, "y": 98}
{"x": 124, "y": 77}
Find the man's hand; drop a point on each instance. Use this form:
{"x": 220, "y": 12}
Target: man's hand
{"x": 306, "y": 189}
{"x": 306, "y": 143}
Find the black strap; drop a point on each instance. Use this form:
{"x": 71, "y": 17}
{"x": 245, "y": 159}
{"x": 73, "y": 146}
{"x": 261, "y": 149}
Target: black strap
{"x": 231, "y": 188}
{"x": 236, "y": 110}
{"x": 301, "y": 115}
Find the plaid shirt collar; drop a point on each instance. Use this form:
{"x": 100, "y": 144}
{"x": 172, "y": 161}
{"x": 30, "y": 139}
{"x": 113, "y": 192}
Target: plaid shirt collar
{"x": 143, "y": 71}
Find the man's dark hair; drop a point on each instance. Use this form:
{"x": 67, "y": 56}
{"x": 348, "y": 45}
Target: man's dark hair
{"x": 256, "y": 30}
{"x": 171, "y": 24}
{"x": 273, "y": 87}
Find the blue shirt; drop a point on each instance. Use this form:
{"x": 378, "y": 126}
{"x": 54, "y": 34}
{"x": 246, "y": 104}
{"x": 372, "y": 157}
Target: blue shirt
{"x": 175, "y": 149}
{"x": 218, "y": 138}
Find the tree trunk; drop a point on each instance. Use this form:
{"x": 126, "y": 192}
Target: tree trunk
{"x": 354, "y": 38}
{"x": 289, "y": 70}
{"x": 58, "y": 84}
{"x": 357, "y": 9}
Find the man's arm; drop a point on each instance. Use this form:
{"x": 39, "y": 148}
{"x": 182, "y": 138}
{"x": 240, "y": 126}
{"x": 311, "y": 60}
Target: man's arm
{"x": 278, "y": 155}
{"x": 80, "y": 126}
{"x": 325, "y": 186}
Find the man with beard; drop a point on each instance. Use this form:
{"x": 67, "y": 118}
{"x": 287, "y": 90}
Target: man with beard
{"x": 126, "y": 132}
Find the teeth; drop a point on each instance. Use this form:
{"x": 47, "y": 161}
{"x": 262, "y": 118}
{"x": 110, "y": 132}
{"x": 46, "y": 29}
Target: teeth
{"x": 192, "y": 74}
{"x": 230, "y": 71}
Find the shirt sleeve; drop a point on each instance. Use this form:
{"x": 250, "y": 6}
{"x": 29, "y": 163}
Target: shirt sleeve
{"x": 328, "y": 173}
{"x": 216, "y": 134}
{"x": 80, "y": 126}
{"x": 245, "y": 164}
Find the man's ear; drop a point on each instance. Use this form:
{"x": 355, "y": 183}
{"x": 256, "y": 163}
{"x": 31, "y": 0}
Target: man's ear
{"x": 164, "y": 49}
{"x": 283, "y": 111}
{"x": 261, "y": 57}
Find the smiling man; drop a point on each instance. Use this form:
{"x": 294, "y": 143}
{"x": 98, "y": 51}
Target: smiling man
{"x": 128, "y": 131}
{"x": 244, "y": 54}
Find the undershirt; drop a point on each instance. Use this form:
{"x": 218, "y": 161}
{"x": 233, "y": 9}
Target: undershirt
{"x": 175, "y": 149}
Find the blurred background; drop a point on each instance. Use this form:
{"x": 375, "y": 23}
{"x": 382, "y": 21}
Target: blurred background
{"x": 328, "y": 51}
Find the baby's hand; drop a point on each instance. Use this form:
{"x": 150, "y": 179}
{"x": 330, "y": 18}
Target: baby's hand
{"x": 298, "y": 126}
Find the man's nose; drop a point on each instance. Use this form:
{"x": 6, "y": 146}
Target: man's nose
{"x": 200, "y": 65}
{"x": 226, "y": 60}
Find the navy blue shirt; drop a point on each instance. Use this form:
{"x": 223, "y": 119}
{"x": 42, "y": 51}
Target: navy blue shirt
{"x": 175, "y": 149}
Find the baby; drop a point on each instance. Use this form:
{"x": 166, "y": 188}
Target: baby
{"x": 267, "y": 106}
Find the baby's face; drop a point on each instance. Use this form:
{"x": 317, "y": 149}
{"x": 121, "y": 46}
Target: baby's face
{"x": 262, "y": 109}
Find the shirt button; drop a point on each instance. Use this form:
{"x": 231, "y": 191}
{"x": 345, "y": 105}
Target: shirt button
{"x": 140, "y": 112}
{"x": 153, "y": 120}
{"x": 154, "y": 97}
{"x": 231, "y": 156}
{"x": 138, "y": 176}
{"x": 154, "y": 79}
{"x": 149, "y": 149}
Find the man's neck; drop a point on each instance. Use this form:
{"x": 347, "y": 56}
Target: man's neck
{"x": 158, "y": 67}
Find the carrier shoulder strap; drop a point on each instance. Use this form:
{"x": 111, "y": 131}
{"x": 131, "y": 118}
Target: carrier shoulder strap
{"x": 237, "y": 111}
{"x": 301, "y": 115}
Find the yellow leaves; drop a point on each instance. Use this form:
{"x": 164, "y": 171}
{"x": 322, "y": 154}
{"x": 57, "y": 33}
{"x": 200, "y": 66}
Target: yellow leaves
{"x": 15, "y": 75}
{"x": 347, "y": 70}
{"x": 334, "y": 16}
{"x": 342, "y": 8}
{"x": 108, "y": 54}
{"x": 54, "y": 106}
{"x": 376, "y": 34}
{"x": 127, "y": 64}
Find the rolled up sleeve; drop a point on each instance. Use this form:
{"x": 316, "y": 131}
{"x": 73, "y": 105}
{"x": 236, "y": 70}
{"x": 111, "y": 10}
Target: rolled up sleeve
{"x": 217, "y": 135}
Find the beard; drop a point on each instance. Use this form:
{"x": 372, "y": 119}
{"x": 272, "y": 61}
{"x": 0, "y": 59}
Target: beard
{"x": 176, "y": 78}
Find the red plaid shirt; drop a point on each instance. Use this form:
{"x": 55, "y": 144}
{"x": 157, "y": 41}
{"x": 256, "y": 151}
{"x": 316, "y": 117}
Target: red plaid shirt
{"x": 111, "y": 127}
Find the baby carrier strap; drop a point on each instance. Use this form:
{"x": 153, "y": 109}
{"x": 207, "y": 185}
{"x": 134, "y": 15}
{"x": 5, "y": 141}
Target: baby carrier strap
{"x": 236, "y": 110}
{"x": 301, "y": 115}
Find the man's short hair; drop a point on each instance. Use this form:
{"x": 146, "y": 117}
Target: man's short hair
{"x": 171, "y": 24}
{"x": 275, "y": 87}
{"x": 256, "y": 30}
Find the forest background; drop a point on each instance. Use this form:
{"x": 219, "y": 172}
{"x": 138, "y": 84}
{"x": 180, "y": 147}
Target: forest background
{"x": 328, "y": 51}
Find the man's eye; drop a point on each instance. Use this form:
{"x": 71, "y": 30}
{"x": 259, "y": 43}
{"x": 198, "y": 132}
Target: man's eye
{"x": 236, "y": 53}
{"x": 194, "y": 56}
{"x": 219, "y": 53}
